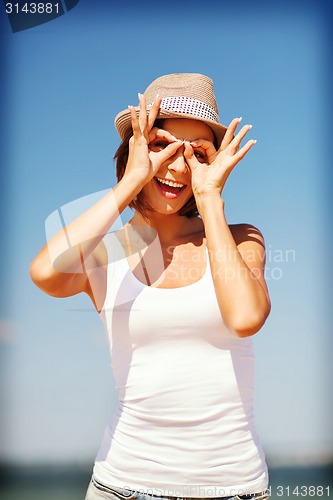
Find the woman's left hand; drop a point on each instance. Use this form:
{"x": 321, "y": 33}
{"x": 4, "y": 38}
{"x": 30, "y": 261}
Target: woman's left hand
{"x": 210, "y": 176}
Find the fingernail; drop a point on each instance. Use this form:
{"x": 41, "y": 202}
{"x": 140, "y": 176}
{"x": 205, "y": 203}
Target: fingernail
{"x": 157, "y": 95}
{"x": 240, "y": 119}
{"x": 250, "y": 126}
{"x": 255, "y": 141}
{"x": 139, "y": 95}
{"x": 194, "y": 143}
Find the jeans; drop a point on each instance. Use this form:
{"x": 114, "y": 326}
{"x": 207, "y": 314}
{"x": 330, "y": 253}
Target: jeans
{"x": 98, "y": 491}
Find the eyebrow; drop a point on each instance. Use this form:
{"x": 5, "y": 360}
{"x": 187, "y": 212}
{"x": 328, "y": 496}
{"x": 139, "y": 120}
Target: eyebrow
{"x": 189, "y": 140}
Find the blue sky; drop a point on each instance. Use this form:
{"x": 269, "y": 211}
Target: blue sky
{"x": 66, "y": 80}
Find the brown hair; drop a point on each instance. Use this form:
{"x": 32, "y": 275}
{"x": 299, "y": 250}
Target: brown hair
{"x": 139, "y": 203}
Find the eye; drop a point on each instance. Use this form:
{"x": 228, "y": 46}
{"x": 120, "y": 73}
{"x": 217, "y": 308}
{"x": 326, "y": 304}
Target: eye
{"x": 158, "y": 145}
{"x": 200, "y": 156}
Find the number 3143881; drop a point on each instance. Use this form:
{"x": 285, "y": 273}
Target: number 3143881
{"x": 32, "y": 8}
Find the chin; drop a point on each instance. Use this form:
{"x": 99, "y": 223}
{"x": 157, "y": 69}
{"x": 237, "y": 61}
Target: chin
{"x": 166, "y": 211}
{"x": 164, "y": 207}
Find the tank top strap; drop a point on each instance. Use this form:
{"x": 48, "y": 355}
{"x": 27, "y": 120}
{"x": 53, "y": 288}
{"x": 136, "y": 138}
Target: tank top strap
{"x": 117, "y": 259}
{"x": 117, "y": 267}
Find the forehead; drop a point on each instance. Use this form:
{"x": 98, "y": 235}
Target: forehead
{"x": 185, "y": 128}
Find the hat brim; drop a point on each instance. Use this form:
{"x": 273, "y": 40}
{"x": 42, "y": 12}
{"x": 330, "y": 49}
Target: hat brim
{"x": 123, "y": 122}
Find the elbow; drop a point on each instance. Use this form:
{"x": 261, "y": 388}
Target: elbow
{"x": 42, "y": 275}
{"x": 44, "y": 278}
{"x": 38, "y": 274}
{"x": 248, "y": 329}
{"x": 34, "y": 272}
{"x": 246, "y": 325}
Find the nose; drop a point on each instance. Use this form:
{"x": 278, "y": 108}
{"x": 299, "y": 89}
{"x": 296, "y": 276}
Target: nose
{"x": 177, "y": 162}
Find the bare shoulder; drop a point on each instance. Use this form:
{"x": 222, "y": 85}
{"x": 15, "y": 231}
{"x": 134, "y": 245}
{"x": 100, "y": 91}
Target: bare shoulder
{"x": 247, "y": 233}
{"x": 251, "y": 246}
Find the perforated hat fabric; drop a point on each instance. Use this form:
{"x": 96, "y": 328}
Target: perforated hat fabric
{"x": 184, "y": 95}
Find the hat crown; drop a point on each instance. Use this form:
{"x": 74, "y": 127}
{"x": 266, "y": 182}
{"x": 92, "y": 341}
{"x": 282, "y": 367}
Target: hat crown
{"x": 191, "y": 85}
{"x": 184, "y": 95}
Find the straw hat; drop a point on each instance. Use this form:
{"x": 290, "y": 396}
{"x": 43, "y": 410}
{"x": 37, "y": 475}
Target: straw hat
{"x": 184, "y": 95}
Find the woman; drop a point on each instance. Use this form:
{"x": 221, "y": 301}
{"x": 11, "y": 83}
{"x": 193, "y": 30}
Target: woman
{"x": 181, "y": 296}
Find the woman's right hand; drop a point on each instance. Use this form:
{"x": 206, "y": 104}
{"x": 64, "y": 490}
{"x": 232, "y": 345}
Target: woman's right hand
{"x": 142, "y": 164}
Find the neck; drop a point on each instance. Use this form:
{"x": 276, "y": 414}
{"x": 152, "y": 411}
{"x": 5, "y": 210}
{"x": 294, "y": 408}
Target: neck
{"x": 168, "y": 227}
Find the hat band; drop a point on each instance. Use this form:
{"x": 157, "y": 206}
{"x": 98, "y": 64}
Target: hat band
{"x": 189, "y": 106}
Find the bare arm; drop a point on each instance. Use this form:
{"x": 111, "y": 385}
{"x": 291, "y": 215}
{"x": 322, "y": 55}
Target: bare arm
{"x": 237, "y": 257}
{"x": 237, "y": 260}
{"x": 60, "y": 268}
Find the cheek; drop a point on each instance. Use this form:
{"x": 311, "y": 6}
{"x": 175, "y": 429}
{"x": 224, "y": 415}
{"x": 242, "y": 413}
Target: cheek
{"x": 149, "y": 193}
{"x": 190, "y": 194}
{"x": 146, "y": 190}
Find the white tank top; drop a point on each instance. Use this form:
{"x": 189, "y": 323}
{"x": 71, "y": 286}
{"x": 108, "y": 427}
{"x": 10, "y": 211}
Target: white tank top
{"x": 184, "y": 424}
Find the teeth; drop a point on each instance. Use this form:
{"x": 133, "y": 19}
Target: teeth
{"x": 170, "y": 183}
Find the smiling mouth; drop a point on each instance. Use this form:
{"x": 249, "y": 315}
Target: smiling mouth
{"x": 169, "y": 189}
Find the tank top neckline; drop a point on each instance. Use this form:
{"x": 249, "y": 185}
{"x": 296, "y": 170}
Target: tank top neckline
{"x": 185, "y": 287}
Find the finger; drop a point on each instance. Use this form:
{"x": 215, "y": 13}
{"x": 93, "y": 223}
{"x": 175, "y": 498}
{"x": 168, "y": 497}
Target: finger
{"x": 162, "y": 134}
{"x": 229, "y": 135}
{"x": 135, "y": 123}
{"x": 245, "y": 149}
{"x": 153, "y": 113}
{"x": 208, "y": 146}
{"x": 235, "y": 143}
{"x": 190, "y": 156}
{"x": 167, "y": 152}
{"x": 142, "y": 113}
